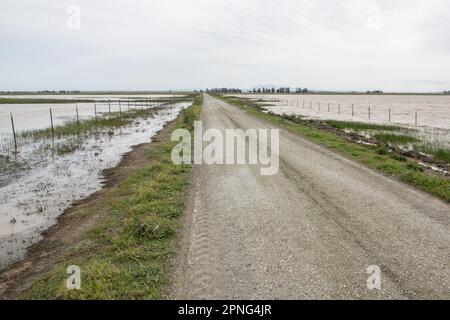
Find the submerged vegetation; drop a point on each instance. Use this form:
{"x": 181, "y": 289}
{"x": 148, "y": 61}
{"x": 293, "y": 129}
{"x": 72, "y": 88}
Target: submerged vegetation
{"x": 360, "y": 126}
{"x": 72, "y": 128}
{"x": 68, "y": 137}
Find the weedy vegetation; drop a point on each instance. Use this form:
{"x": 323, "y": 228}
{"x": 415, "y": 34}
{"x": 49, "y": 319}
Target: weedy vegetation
{"x": 127, "y": 254}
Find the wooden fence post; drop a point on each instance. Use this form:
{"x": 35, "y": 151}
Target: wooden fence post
{"x": 78, "y": 118}
{"x": 14, "y": 132}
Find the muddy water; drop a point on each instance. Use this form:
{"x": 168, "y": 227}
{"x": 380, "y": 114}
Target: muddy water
{"x": 41, "y": 186}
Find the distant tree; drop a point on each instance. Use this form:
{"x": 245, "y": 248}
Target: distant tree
{"x": 375, "y": 92}
{"x": 224, "y": 90}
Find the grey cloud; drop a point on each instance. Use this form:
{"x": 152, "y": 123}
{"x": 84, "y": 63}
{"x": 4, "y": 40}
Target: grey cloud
{"x": 325, "y": 44}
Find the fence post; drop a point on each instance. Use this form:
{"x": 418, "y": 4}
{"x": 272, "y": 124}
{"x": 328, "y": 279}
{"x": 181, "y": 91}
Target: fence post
{"x": 53, "y": 128}
{"x": 416, "y": 118}
{"x": 120, "y": 108}
{"x": 353, "y": 109}
{"x": 14, "y": 132}
{"x": 328, "y": 107}
{"x": 95, "y": 111}
{"x": 339, "y": 108}
{"x": 109, "y": 106}
{"x": 369, "y": 112}
{"x": 78, "y": 118}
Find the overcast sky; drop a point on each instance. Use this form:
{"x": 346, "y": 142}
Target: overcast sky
{"x": 392, "y": 45}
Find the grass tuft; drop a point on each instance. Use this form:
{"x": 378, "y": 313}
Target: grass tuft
{"x": 394, "y": 138}
{"x": 361, "y": 126}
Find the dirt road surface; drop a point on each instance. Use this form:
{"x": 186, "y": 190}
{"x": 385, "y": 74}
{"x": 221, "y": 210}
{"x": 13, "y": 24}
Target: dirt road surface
{"x": 310, "y": 231}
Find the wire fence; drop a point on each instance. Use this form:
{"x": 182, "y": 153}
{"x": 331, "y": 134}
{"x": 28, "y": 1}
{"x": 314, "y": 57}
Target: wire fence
{"x": 19, "y": 129}
{"x": 409, "y": 115}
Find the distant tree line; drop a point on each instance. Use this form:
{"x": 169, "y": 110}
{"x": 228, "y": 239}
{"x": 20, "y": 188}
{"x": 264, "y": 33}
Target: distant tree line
{"x": 224, "y": 90}
{"x": 43, "y": 91}
{"x": 447, "y": 92}
{"x": 279, "y": 90}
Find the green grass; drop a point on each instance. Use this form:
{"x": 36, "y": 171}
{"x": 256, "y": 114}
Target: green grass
{"x": 394, "y": 138}
{"x": 442, "y": 154}
{"x": 127, "y": 255}
{"x": 138, "y": 99}
{"x": 361, "y": 126}
{"x": 376, "y": 158}
{"x": 436, "y": 152}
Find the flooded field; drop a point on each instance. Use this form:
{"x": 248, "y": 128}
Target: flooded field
{"x": 37, "y": 184}
{"x": 410, "y": 110}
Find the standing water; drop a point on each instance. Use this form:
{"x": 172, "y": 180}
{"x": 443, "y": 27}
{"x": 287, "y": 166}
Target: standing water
{"x": 36, "y": 187}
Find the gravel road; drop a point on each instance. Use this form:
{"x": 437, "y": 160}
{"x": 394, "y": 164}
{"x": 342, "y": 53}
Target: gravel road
{"x": 308, "y": 232}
